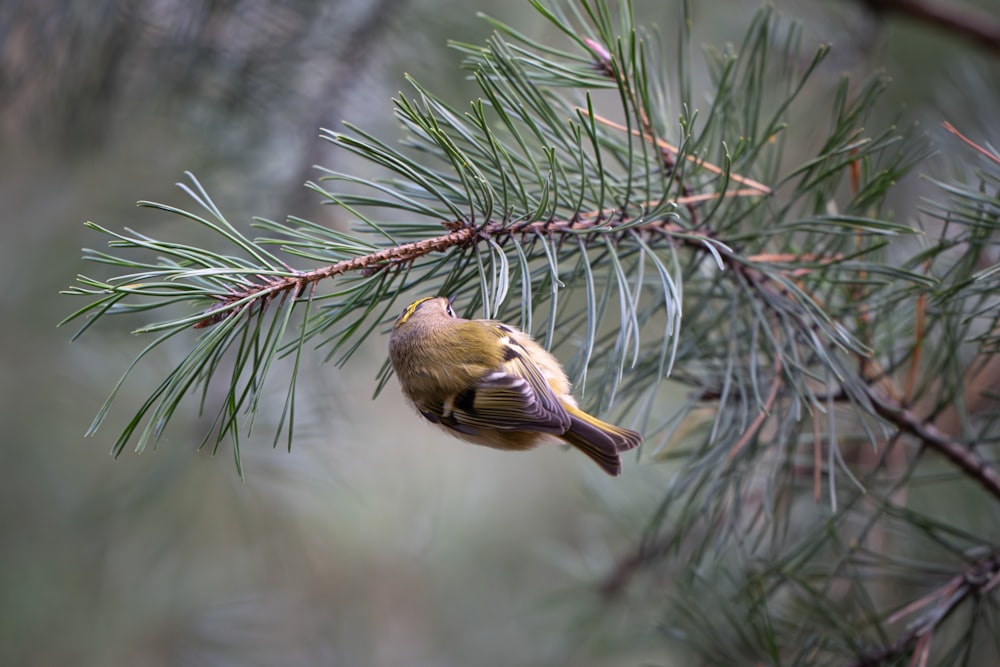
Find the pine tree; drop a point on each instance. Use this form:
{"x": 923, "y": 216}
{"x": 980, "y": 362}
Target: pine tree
{"x": 838, "y": 366}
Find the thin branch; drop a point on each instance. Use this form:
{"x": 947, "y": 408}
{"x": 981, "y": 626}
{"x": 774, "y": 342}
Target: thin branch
{"x": 663, "y": 145}
{"x": 957, "y": 452}
{"x": 924, "y": 431}
{"x": 461, "y": 234}
{"x": 951, "y": 128}
{"x": 371, "y": 262}
{"x": 666, "y": 156}
{"x": 619, "y": 577}
{"x": 921, "y": 651}
{"x": 976, "y": 580}
{"x": 906, "y": 421}
{"x": 979, "y": 394}
{"x": 765, "y": 412}
{"x": 979, "y": 27}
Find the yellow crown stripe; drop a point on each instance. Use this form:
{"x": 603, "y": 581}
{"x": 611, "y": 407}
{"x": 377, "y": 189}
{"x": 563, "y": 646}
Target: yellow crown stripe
{"x": 412, "y": 308}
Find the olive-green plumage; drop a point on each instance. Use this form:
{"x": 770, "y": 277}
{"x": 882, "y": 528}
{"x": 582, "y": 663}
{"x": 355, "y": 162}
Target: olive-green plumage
{"x": 491, "y": 384}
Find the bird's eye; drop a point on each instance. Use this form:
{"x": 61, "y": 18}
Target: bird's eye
{"x": 451, "y": 313}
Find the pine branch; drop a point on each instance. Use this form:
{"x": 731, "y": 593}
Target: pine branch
{"x": 978, "y": 27}
{"x": 233, "y": 304}
{"x": 979, "y": 579}
{"x": 604, "y": 222}
{"x": 974, "y": 465}
{"x": 876, "y": 394}
{"x": 991, "y": 155}
{"x": 668, "y": 154}
{"x": 510, "y": 198}
{"x": 816, "y": 343}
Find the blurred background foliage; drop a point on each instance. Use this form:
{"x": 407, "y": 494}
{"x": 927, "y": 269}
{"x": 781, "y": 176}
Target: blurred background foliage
{"x": 374, "y": 541}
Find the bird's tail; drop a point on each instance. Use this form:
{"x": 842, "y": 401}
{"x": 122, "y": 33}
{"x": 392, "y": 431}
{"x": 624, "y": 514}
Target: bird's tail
{"x": 599, "y": 440}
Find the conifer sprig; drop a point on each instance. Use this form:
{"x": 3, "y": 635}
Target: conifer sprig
{"x": 657, "y": 237}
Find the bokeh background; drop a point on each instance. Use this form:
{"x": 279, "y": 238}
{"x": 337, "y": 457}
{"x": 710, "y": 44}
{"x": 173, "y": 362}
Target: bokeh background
{"x": 374, "y": 541}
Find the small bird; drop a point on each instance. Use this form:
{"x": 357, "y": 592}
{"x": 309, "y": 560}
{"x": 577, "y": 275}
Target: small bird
{"x": 490, "y": 384}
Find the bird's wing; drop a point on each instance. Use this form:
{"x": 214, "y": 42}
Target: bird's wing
{"x": 514, "y": 397}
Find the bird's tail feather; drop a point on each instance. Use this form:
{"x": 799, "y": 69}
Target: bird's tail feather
{"x": 601, "y": 441}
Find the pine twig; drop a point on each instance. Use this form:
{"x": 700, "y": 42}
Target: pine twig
{"x": 976, "y": 580}
{"x": 969, "y": 142}
{"x": 763, "y": 414}
{"x": 615, "y": 581}
{"x": 461, "y": 234}
{"x": 928, "y": 435}
{"x": 674, "y": 150}
{"x": 606, "y": 65}
{"x": 372, "y": 262}
{"x": 976, "y": 26}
